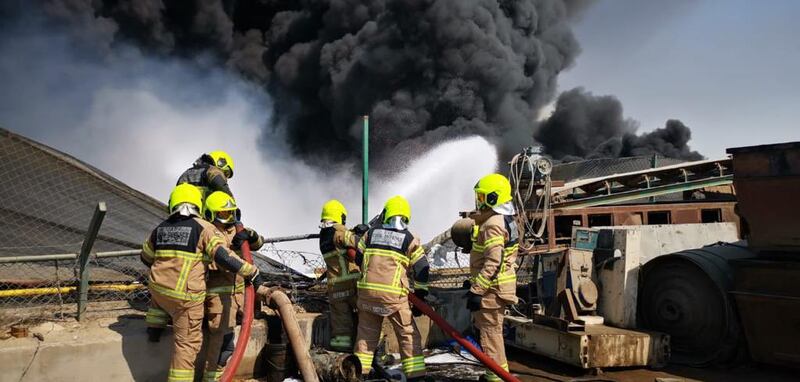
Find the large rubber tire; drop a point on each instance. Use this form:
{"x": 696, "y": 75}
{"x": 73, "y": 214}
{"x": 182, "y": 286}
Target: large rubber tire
{"x": 685, "y": 294}
{"x": 678, "y": 298}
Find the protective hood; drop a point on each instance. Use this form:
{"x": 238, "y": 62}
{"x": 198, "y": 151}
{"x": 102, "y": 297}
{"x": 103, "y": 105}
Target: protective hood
{"x": 396, "y": 222}
{"x": 506, "y": 208}
{"x": 186, "y": 209}
{"x": 326, "y": 224}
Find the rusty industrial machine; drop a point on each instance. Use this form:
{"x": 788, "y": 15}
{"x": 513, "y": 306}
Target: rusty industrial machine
{"x": 621, "y": 273}
{"x": 725, "y": 301}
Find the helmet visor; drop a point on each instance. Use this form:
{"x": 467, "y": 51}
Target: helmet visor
{"x": 480, "y": 200}
{"x": 222, "y": 164}
{"x": 226, "y": 217}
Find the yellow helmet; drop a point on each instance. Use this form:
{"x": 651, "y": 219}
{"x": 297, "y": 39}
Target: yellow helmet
{"x": 185, "y": 193}
{"x": 223, "y": 161}
{"x": 397, "y": 206}
{"x": 218, "y": 202}
{"x": 492, "y": 190}
{"x": 334, "y": 211}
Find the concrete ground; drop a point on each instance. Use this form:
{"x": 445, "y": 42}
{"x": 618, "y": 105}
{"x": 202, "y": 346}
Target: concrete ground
{"x": 115, "y": 348}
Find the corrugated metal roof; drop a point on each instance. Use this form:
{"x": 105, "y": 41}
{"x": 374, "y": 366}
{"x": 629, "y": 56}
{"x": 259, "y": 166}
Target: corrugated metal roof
{"x": 48, "y": 198}
{"x": 595, "y": 168}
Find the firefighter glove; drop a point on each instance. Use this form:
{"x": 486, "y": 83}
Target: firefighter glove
{"x": 240, "y": 238}
{"x": 473, "y": 301}
{"x": 421, "y": 293}
{"x": 360, "y": 229}
{"x": 253, "y": 237}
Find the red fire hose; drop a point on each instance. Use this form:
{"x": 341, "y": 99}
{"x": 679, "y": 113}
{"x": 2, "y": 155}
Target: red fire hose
{"x": 247, "y": 318}
{"x": 452, "y": 332}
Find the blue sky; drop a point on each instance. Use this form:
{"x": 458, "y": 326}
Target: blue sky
{"x": 730, "y": 70}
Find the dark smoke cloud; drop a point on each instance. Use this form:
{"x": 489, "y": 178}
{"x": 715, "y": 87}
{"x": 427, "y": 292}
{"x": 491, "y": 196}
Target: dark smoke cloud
{"x": 424, "y": 70}
{"x": 587, "y": 126}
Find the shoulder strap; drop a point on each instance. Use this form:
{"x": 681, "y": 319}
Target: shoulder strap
{"x": 511, "y": 227}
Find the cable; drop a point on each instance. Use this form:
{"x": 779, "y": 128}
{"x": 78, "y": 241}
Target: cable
{"x": 531, "y": 163}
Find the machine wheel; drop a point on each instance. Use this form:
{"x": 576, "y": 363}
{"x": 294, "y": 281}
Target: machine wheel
{"x": 678, "y": 297}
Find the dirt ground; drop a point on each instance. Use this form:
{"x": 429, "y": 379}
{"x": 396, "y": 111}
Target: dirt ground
{"x": 533, "y": 368}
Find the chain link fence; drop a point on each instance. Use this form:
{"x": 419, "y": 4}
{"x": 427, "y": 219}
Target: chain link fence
{"x": 450, "y": 266}
{"x": 50, "y": 199}
{"x": 47, "y": 287}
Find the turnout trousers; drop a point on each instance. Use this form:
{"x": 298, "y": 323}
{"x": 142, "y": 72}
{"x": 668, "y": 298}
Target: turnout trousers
{"x": 343, "y": 318}
{"x": 187, "y": 323}
{"x": 221, "y": 312}
{"x": 369, "y": 331}
{"x": 489, "y": 323}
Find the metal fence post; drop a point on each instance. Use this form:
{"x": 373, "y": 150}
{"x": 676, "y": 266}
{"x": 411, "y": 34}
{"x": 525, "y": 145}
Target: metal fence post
{"x": 86, "y": 248}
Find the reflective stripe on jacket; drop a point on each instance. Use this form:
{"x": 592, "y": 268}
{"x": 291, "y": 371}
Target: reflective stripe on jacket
{"x": 180, "y": 249}
{"x": 221, "y": 281}
{"x": 493, "y": 258}
{"x": 387, "y": 256}
{"x": 333, "y": 243}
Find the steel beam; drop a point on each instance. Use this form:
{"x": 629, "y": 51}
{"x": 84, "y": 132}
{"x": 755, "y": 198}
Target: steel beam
{"x": 643, "y": 193}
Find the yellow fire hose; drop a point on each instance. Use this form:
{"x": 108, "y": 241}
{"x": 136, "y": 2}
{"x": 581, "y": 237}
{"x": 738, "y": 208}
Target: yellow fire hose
{"x": 67, "y": 289}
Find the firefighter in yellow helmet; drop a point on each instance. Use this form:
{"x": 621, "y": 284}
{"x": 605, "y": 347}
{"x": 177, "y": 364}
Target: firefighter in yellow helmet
{"x": 386, "y": 254}
{"x": 178, "y": 252}
{"x": 337, "y": 245}
{"x": 225, "y": 290}
{"x": 210, "y": 173}
{"x": 493, "y": 264}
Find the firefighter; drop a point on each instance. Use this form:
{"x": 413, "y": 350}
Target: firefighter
{"x": 386, "y": 255}
{"x": 337, "y": 245}
{"x": 493, "y": 280}
{"x": 225, "y": 290}
{"x": 178, "y": 252}
{"x": 210, "y": 173}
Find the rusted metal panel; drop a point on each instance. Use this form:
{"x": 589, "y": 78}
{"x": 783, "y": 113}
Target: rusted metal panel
{"x": 634, "y": 214}
{"x": 639, "y": 208}
{"x": 772, "y": 327}
{"x": 685, "y": 216}
{"x": 778, "y": 159}
{"x": 769, "y": 306}
{"x": 767, "y": 181}
{"x": 628, "y": 218}
{"x": 597, "y": 346}
{"x": 612, "y": 347}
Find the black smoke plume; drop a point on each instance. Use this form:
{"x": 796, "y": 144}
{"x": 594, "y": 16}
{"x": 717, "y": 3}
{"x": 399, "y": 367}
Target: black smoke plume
{"x": 424, "y": 70}
{"x": 587, "y": 126}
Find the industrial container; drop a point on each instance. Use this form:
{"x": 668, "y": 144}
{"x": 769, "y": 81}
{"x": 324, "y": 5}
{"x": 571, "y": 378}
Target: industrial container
{"x": 767, "y": 181}
{"x": 769, "y": 306}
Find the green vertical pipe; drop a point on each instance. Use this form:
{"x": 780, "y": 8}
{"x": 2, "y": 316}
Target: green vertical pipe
{"x": 365, "y": 173}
